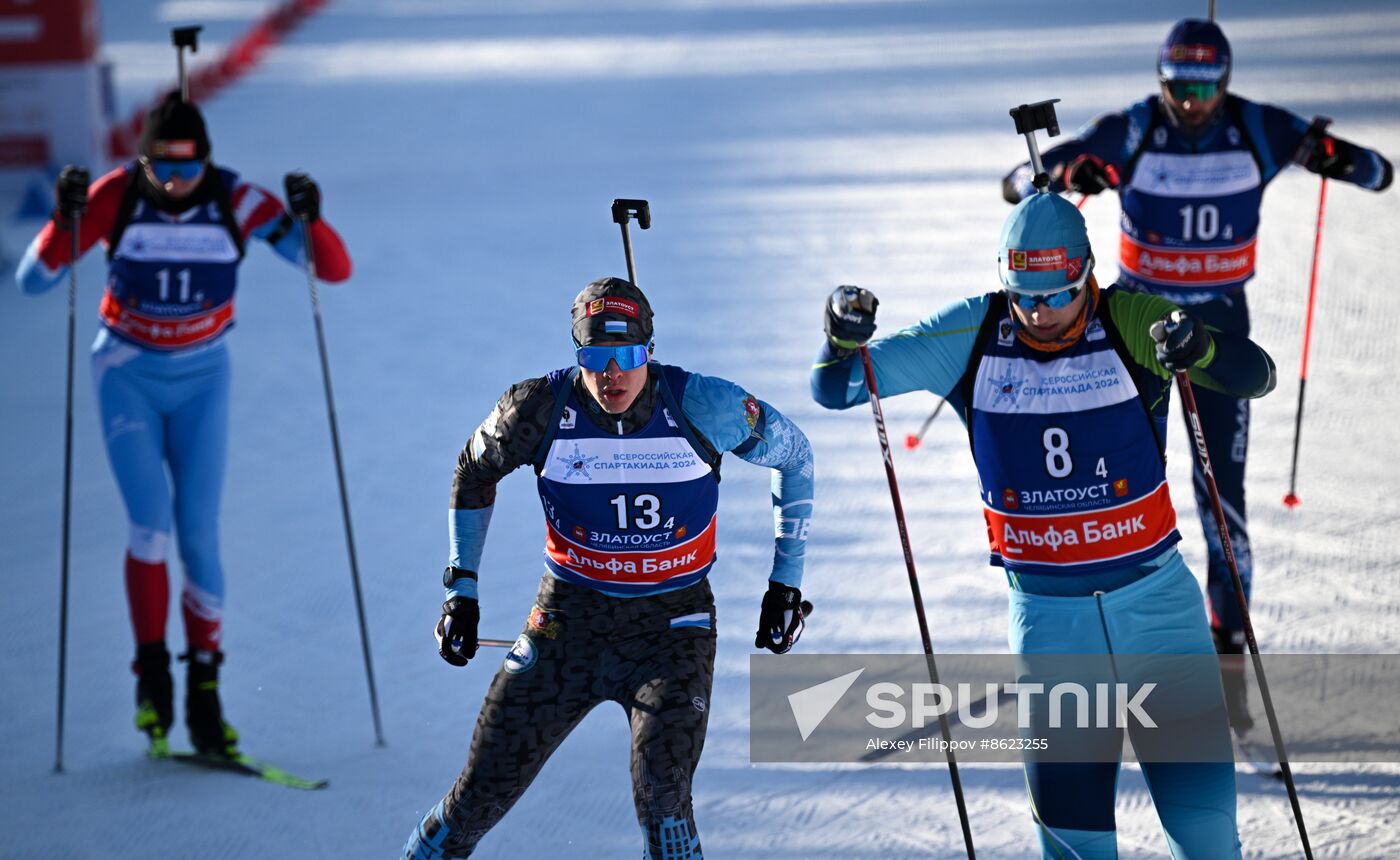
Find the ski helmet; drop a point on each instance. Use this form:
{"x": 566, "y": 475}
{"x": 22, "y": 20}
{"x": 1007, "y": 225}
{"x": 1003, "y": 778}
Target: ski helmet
{"x": 1194, "y": 50}
{"x": 174, "y": 130}
{"x": 611, "y": 309}
{"x": 1044, "y": 247}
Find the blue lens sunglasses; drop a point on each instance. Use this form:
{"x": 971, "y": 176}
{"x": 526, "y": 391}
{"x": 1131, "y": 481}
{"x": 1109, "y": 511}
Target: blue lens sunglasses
{"x": 1054, "y": 301}
{"x": 629, "y": 356}
{"x": 165, "y": 170}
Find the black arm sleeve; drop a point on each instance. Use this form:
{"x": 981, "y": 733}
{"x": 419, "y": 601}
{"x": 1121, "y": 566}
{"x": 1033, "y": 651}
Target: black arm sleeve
{"x": 506, "y": 440}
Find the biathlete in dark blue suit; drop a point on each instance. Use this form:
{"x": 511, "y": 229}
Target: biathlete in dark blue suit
{"x": 1063, "y": 389}
{"x": 627, "y": 455}
{"x": 1190, "y": 166}
{"x": 175, "y": 226}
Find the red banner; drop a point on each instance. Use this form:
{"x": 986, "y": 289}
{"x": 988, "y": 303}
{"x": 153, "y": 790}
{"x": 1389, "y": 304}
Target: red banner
{"x": 1186, "y": 267}
{"x": 162, "y": 333}
{"x": 648, "y": 566}
{"x": 1082, "y": 537}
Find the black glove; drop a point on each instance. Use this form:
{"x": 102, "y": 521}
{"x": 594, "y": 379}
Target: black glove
{"x": 1182, "y": 340}
{"x": 303, "y": 196}
{"x": 781, "y": 619}
{"x": 850, "y": 317}
{"x": 456, "y": 630}
{"x": 70, "y": 192}
{"x": 1329, "y": 157}
{"x": 1088, "y": 174}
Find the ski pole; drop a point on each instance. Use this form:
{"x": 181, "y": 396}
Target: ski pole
{"x": 182, "y": 38}
{"x": 1291, "y": 499}
{"x": 622, "y": 208}
{"x": 340, "y": 470}
{"x": 496, "y": 643}
{"x": 1188, "y": 402}
{"x": 913, "y": 440}
{"x": 76, "y": 226}
{"x": 870, "y": 387}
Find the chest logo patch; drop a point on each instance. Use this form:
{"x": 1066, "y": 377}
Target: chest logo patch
{"x": 576, "y": 464}
{"x": 1008, "y": 387}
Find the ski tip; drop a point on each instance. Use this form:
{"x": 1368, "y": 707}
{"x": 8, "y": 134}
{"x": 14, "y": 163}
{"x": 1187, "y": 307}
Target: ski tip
{"x": 1291, "y": 500}
{"x": 911, "y": 441}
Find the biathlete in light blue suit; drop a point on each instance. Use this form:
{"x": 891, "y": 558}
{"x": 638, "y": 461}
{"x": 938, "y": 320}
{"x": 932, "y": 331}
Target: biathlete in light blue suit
{"x": 1063, "y": 389}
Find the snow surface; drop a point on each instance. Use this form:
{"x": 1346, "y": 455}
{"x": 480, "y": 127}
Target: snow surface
{"x": 468, "y": 153}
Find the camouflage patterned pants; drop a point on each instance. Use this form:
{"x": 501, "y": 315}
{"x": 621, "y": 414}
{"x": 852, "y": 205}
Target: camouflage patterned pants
{"x": 652, "y": 655}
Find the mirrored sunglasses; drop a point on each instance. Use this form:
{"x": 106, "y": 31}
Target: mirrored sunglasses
{"x": 1195, "y": 90}
{"x": 1054, "y": 301}
{"x": 629, "y": 356}
{"x": 166, "y": 169}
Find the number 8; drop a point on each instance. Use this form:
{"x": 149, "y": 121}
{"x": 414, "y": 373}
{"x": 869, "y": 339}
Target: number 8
{"x": 1057, "y": 459}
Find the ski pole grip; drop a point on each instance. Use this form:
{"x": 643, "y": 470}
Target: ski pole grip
{"x": 1029, "y": 119}
{"x": 1317, "y": 130}
{"x": 186, "y": 37}
{"x": 1033, "y": 117}
{"x": 639, "y": 209}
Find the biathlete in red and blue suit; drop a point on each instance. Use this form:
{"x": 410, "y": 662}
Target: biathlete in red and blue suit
{"x": 1063, "y": 388}
{"x": 175, "y": 226}
{"x": 1190, "y": 166}
{"x": 627, "y": 455}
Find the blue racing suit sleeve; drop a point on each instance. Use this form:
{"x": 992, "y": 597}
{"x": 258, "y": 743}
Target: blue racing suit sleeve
{"x": 1278, "y": 134}
{"x": 930, "y": 355}
{"x": 33, "y": 276}
{"x": 734, "y": 420}
{"x": 1103, "y": 137}
{"x": 466, "y": 536}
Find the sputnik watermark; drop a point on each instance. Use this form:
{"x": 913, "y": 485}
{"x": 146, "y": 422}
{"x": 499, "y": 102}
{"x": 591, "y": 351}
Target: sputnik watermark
{"x": 861, "y": 708}
{"x": 931, "y": 701}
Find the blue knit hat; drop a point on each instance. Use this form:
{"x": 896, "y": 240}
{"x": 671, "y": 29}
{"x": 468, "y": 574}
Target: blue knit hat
{"x": 1194, "y": 50}
{"x": 1044, "y": 247}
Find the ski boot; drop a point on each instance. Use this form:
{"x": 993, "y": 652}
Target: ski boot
{"x": 209, "y": 733}
{"x": 155, "y": 709}
{"x": 1230, "y": 646}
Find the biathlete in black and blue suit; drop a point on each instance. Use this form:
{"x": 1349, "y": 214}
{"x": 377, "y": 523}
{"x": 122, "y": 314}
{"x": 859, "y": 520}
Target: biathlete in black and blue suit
{"x": 627, "y": 455}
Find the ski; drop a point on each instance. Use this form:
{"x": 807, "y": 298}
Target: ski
{"x": 236, "y": 763}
